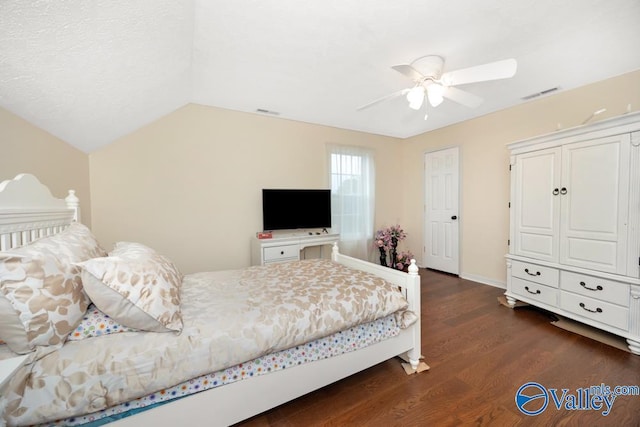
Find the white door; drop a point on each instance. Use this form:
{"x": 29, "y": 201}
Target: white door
{"x": 536, "y": 204}
{"x": 440, "y": 250}
{"x": 594, "y": 199}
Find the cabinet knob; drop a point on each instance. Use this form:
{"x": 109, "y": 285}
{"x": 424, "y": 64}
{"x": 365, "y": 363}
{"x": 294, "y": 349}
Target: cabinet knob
{"x": 563, "y": 190}
{"x": 281, "y": 252}
{"x": 556, "y": 191}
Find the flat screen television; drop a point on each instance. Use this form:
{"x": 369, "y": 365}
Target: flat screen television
{"x": 289, "y": 209}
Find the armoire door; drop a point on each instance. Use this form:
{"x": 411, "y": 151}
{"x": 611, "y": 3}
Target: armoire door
{"x": 594, "y": 204}
{"x": 536, "y": 204}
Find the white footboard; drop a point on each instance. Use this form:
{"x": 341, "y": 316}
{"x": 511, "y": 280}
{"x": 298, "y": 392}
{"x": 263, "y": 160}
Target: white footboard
{"x": 409, "y": 284}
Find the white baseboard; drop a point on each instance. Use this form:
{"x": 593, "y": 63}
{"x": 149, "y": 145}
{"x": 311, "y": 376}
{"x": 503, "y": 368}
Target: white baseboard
{"x": 483, "y": 280}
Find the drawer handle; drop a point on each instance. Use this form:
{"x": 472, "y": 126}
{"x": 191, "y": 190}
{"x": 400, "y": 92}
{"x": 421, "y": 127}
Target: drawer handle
{"x": 597, "y": 310}
{"x": 537, "y": 292}
{"x": 537, "y": 273}
{"x": 597, "y": 288}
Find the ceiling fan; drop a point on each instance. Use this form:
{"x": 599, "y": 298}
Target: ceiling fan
{"x": 434, "y": 85}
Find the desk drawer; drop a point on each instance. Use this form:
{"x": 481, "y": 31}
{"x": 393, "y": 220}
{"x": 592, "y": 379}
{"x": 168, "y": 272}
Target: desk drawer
{"x": 595, "y": 287}
{"x": 535, "y": 273}
{"x": 535, "y": 291}
{"x": 594, "y": 309}
{"x": 281, "y": 253}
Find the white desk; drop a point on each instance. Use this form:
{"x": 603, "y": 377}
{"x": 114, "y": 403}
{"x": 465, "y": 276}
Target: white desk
{"x": 287, "y": 247}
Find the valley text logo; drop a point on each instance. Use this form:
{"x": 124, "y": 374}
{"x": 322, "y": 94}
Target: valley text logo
{"x": 533, "y": 398}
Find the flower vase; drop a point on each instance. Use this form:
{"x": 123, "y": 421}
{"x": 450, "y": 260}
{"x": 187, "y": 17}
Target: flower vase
{"x": 383, "y": 257}
{"x": 393, "y": 252}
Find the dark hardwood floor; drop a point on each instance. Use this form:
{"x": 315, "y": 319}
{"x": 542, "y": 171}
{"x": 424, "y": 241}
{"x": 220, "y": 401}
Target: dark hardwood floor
{"x": 480, "y": 353}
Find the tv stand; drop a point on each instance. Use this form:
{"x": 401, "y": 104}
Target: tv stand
{"x": 287, "y": 247}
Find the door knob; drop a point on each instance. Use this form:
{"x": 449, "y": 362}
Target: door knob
{"x": 454, "y": 217}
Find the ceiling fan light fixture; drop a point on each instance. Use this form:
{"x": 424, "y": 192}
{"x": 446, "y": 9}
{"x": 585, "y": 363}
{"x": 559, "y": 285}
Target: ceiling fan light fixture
{"x": 416, "y": 97}
{"x": 431, "y": 83}
{"x": 435, "y": 93}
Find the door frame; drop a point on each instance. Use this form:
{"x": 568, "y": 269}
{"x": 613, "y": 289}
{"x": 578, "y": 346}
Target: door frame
{"x": 424, "y": 203}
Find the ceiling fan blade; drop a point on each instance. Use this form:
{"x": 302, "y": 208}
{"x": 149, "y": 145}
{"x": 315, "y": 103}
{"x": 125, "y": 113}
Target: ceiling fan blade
{"x": 409, "y": 71}
{"x": 481, "y": 73}
{"x": 384, "y": 98}
{"x": 462, "y": 97}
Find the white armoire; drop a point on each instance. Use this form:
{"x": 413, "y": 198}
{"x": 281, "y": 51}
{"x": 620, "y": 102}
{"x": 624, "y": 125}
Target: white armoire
{"x": 574, "y": 245}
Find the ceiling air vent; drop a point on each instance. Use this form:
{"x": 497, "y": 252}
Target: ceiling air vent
{"x": 542, "y": 92}
{"x": 264, "y": 111}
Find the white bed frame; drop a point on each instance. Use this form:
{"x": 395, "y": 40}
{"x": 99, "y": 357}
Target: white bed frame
{"x": 29, "y": 211}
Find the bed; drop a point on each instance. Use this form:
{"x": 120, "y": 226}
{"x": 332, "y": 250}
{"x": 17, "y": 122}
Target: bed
{"x": 238, "y": 369}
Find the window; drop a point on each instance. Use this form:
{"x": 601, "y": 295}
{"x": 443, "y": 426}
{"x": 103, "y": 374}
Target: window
{"x": 352, "y": 198}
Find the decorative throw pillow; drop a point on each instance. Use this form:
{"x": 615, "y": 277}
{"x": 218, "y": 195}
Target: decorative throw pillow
{"x": 135, "y": 286}
{"x": 41, "y": 295}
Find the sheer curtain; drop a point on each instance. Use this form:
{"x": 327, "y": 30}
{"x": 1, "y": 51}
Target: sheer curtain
{"x": 352, "y": 178}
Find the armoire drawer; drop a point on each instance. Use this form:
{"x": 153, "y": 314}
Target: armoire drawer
{"x": 591, "y": 308}
{"x": 595, "y": 287}
{"x": 535, "y": 273}
{"x": 535, "y": 291}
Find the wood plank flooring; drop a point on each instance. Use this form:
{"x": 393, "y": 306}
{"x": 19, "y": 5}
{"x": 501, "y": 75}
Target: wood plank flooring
{"x": 480, "y": 353}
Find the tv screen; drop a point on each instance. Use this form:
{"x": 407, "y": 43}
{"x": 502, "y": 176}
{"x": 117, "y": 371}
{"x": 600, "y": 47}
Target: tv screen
{"x": 287, "y": 209}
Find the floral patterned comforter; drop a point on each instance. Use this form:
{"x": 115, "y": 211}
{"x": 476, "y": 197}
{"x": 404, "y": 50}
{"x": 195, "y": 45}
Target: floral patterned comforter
{"x": 229, "y": 317}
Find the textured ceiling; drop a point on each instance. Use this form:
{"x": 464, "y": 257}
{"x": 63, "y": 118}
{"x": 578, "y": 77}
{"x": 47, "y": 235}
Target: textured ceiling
{"x": 90, "y": 72}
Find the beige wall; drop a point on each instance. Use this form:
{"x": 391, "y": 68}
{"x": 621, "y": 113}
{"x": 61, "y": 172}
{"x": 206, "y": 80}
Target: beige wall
{"x": 27, "y": 148}
{"x": 484, "y": 213}
{"x": 189, "y": 185}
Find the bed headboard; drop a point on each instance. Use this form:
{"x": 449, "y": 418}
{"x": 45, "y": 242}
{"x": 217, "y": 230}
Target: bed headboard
{"x": 28, "y": 211}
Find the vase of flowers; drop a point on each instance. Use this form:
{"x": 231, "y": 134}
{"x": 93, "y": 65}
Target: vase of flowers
{"x": 386, "y": 240}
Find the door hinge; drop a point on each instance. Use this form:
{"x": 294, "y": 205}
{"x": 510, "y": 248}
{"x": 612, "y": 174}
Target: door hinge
{"x": 509, "y": 167}
{"x": 509, "y": 205}
{"x": 509, "y": 242}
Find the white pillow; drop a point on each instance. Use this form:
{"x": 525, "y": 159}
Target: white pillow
{"x": 135, "y": 286}
{"x": 41, "y": 295}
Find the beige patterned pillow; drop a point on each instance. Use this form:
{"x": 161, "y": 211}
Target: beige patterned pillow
{"x": 135, "y": 286}
{"x": 41, "y": 295}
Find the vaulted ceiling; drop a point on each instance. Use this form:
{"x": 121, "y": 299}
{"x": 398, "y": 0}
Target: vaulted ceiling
{"x": 90, "y": 72}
